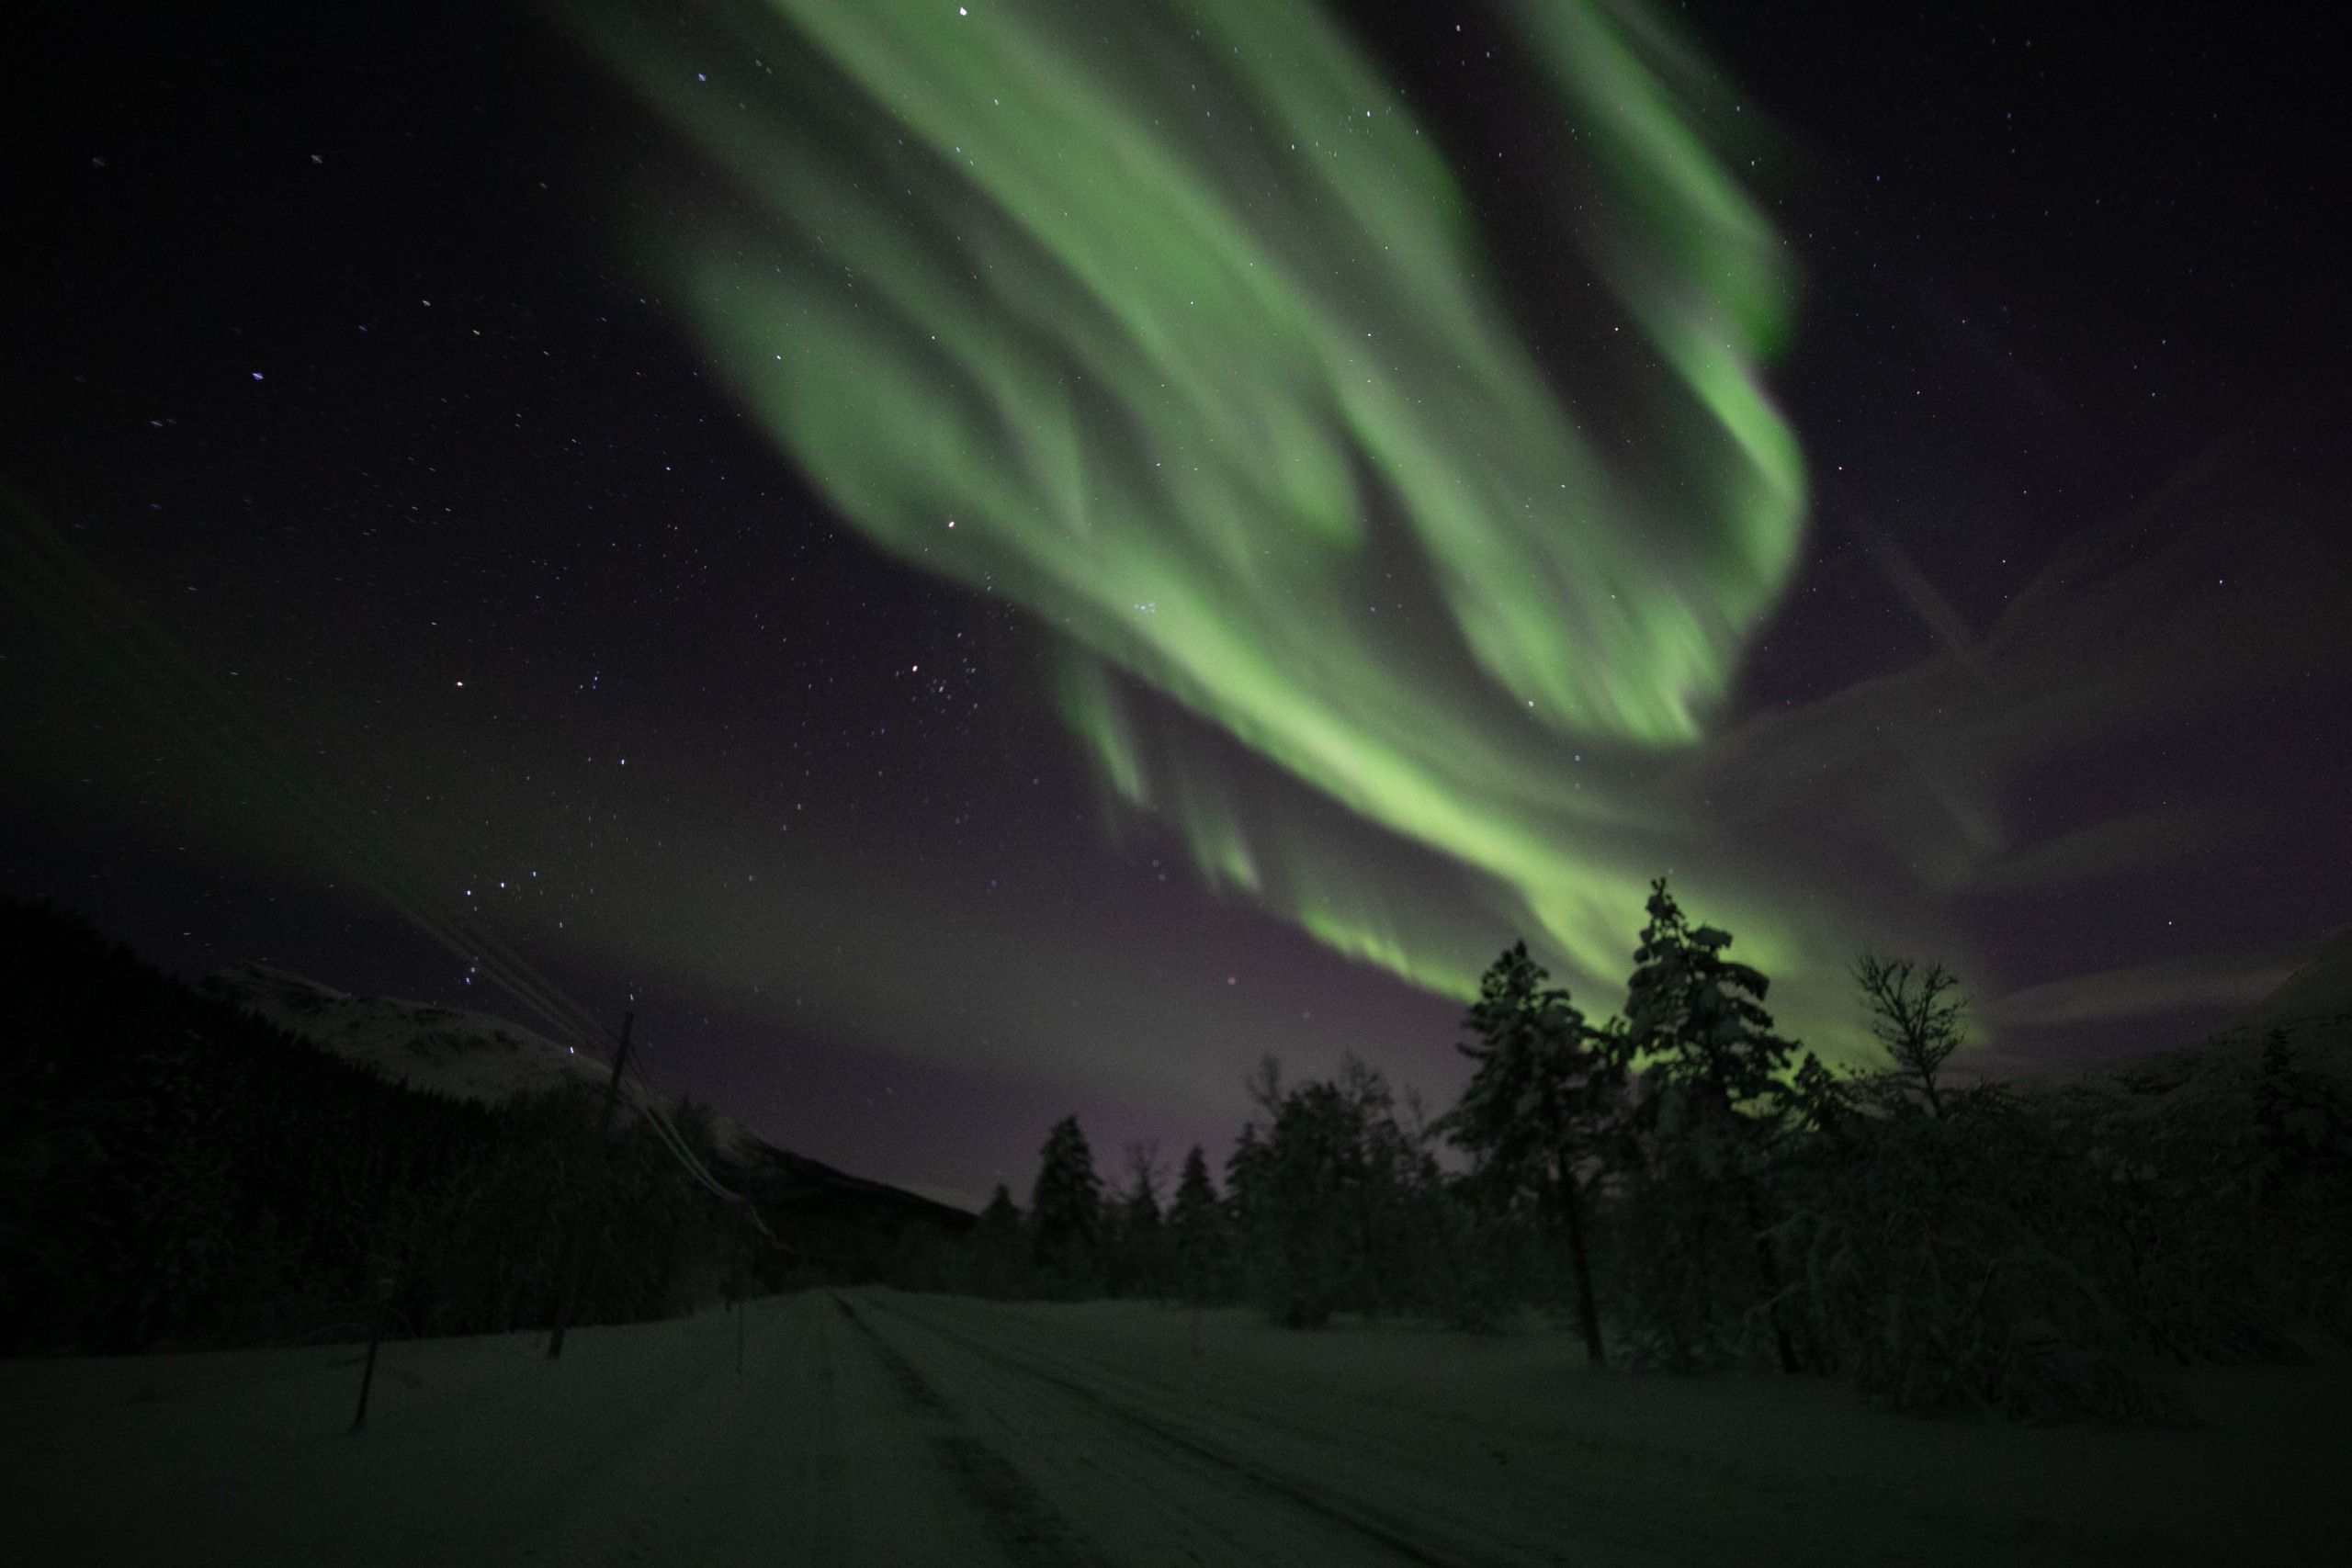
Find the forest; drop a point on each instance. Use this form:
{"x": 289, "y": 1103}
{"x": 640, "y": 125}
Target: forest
{"x": 1680, "y": 1187}
{"x": 1686, "y": 1190}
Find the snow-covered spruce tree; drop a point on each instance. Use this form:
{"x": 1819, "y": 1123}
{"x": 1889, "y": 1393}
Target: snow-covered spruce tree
{"x": 1714, "y": 1104}
{"x": 1065, "y": 1212}
{"x": 1540, "y": 1113}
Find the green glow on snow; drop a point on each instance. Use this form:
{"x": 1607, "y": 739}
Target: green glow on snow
{"x": 1180, "y": 315}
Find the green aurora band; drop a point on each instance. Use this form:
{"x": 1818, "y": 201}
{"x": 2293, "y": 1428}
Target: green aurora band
{"x": 1171, "y": 323}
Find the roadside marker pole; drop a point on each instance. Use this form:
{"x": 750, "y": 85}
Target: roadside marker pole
{"x": 742, "y": 1297}
{"x": 565, "y": 1302}
{"x": 380, "y": 1307}
{"x": 368, "y": 1377}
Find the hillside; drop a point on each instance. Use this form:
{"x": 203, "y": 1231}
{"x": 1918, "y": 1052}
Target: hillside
{"x": 2314, "y": 1003}
{"x": 2298, "y": 1040}
{"x": 177, "y": 1171}
{"x": 482, "y": 1059}
{"x": 419, "y": 1046}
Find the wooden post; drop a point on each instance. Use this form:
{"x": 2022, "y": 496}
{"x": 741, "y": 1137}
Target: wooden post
{"x": 742, "y": 1303}
{"x": 569, "y": 1299}
{"x": 368, "y": 1378}
{"x": 387, "y": 1283}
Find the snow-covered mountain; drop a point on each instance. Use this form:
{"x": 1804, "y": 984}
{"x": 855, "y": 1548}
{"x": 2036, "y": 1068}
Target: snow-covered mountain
{"x": 2210, "y": 1087}
{"x": 2314, "y": 1003}
{"x": 431, "y": 1049}
{"x": 478, "y": 1057}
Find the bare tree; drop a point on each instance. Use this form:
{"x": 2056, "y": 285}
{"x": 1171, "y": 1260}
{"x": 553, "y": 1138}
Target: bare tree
{"x": 1919, "y": 1016}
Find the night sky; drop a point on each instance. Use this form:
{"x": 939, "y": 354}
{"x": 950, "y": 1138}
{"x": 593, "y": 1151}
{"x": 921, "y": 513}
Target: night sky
{"x": 1886, "y": 467}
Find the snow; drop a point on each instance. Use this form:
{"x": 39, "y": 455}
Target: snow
{"x": 439, "y": 1050}
{"x": 2208, "y": 1089}
{"x": 2319, "y": 991}
{"x": 877, "y": 1428}
{"x": 433, "y": 1049}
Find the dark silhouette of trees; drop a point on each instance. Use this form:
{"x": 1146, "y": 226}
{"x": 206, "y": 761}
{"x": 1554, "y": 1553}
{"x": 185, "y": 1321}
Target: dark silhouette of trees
{"x": 1700, "y": 1015}
{"x": 1539, "y": 1117}
{"x": 175, "y": 1173}
{"x": 1919, "y": 1017}
{"x": 1725, "y": 1198}
{"x": 1066, "y": 1210}
{"x": 1138, "y": 1248}
{"x": 1197, "y": 1237}
{"x": 1333, "y": 1206}
{"x": 1715, "y": 1084}
{"x": 1002, "y": 1213}
{"x": 996, "y": 1253}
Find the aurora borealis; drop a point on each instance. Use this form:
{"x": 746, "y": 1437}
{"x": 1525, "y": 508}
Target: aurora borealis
{"x": 1149, "y": 317}
{"x": 1416, "y": 473}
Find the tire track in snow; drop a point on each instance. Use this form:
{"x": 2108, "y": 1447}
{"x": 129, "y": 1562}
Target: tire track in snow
{"x": 1395, "y": 1538}
{"x": 1023, "y": 1522}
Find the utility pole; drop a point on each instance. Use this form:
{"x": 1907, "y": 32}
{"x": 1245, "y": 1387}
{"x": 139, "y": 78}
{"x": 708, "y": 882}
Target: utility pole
{"x": 570, "y": 1297}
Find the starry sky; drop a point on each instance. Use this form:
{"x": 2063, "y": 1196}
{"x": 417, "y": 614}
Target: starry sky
{"x": 977, "y": 562}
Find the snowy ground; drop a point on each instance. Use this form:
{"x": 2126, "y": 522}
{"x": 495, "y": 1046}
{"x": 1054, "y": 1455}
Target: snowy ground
{"x": 874, "y": 1427}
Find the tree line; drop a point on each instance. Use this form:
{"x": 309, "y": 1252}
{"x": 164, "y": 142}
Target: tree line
{"x": 1679, "y": 1185}
{"x": 1684, "y": 1188}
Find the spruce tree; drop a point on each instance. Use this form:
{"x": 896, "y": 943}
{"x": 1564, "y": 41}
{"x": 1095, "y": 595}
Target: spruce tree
{"x": 1539, "y": 1109}
{"x": 1702, "y": 1013}
{"x": 1143, "y": 1240}
{"x": 1699, "y": 1017}
{"x": 1195, "y": 1229}
{"x": 1066, "y": 1208}
{"x": 999, "y": 1261}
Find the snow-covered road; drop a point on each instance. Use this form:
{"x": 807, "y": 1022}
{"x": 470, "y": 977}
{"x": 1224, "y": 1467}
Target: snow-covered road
{"x": 868, "y": 1427}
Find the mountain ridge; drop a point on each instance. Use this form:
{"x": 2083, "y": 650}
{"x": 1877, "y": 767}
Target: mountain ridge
{"x": 466, "y": 1055}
